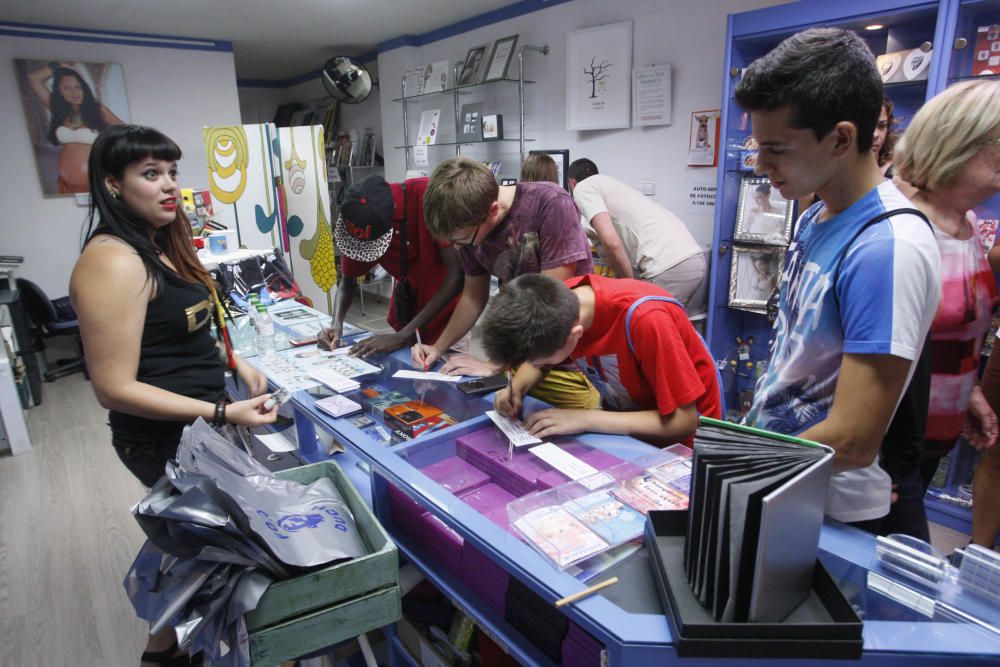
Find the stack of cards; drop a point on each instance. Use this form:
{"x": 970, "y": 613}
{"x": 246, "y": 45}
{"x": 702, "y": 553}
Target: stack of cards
{"x": 754, "y": 522}
{"x": 579, "y": 648}
{"x": 334, "y": 380}
{"x": 485, "y": 578}
{"x": 490, "y": 500}
{"x": 456, "y": 475}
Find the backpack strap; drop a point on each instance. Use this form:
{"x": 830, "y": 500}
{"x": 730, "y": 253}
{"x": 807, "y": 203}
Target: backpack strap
{"x": 669, "y": 299}
{"x": 877, "y": 219}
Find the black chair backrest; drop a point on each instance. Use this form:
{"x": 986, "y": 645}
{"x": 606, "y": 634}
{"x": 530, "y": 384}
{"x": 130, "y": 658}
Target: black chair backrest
{"x": 38, "y": 306}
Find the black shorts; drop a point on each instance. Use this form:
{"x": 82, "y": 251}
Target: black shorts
{"x": 146, "y": 455}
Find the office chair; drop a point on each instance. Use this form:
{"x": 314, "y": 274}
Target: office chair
{"x": 50, "y": 319}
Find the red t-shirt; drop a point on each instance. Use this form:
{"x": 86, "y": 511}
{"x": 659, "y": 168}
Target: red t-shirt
{"x": 425, "y": 270}
{"x": 671, "y": 366}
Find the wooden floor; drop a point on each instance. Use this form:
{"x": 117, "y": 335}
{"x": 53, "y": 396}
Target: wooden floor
{"x": 67, "y": 539}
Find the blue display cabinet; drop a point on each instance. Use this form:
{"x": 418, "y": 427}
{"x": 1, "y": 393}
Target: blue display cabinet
{"x": 904, "y": 26}
{"x": 624, "y": 625}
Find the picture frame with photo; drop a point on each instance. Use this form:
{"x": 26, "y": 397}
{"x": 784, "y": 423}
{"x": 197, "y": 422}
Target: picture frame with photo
{"x": 492, "y": 127}
{"x": 472, "y": 66}
{"x": 500, "y": 58}
{"x": 754, "y": 273}
{"x": 561, "y": 157}
{"x": 470, "y": 123}
{"x": 762, "y": 214}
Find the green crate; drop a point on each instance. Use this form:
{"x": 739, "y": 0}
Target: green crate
{"x": 306, "y": 613}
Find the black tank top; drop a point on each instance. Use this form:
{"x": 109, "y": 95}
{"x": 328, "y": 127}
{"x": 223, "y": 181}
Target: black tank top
{"x": 178, "y": 352}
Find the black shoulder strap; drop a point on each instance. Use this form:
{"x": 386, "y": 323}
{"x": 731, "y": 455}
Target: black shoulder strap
{"x": 404, "y": 247}
{"x": 877, "y": 219}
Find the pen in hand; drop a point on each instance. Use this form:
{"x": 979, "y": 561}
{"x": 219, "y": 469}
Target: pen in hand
{"x": 420, "y": 344}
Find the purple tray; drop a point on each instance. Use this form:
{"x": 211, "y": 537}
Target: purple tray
{"x": 456, "y": 475}
{"x": 441, "y": 542}
{"x": 487, "y": 498}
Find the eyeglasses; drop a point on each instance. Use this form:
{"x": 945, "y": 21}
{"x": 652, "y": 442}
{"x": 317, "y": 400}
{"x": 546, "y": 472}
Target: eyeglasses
{"x": 468, "y": 241}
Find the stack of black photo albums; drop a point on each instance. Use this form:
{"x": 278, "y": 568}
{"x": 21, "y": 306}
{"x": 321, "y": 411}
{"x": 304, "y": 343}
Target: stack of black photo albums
{"x": 737, "y": 572}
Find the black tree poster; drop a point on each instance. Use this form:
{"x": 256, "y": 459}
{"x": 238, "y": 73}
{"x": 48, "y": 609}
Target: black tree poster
{"x": 599, "y": 77}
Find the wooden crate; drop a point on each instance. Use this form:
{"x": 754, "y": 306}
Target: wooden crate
{"x": 306, "y": 613}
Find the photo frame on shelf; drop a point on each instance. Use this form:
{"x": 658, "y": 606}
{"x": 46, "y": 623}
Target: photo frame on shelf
{"x": 413, "y": 82}
{"x": 492, "y": 127}
{"x": 470, "y": 123}
{"x": 753, "y": 275}
{"x": 472, "y": 66}
{"x": 762, "y": 214}
{"x": 561, "y": 158}
{"x": 599, "y": 77}
{"x": 436, "y": 77}
{"x": 500, "y": 58}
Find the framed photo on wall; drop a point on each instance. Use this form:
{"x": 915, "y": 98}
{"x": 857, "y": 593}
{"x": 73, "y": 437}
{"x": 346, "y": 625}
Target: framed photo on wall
{"x": 599, "y": 77}
{"x": 762, "y": 215}
{"x": 473, "y": 65}
{"x": 500, "y": 58}
{"x": 66, "y": 105}
{"x": 561, "y": 157}
{"x": 753, "y": 275}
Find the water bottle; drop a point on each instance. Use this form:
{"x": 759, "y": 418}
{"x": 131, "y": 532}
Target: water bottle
{"x": 264, "y": 327}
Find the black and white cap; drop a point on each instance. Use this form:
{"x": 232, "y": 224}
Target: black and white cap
{"x": 364, "y": 229}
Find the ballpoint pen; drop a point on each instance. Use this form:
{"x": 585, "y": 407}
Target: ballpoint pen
{"x": 421, "y": 344}
{"x": 510, "y": 397}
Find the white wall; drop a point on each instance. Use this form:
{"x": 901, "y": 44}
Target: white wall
{"x": 257, "y": 105}
{"x": 689, "y": 36}
{"x": 176, "y": 91}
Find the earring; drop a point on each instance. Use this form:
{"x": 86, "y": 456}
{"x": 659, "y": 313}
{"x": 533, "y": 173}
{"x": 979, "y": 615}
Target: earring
{"x": 114, "y": 194}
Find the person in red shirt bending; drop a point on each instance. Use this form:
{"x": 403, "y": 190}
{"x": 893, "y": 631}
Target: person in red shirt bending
{"x": 666, "y": 375}
{"x": 376, "y": 220}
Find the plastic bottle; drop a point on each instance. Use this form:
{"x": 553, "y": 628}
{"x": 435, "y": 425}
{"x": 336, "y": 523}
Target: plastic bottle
{"x": 264, "y": 327}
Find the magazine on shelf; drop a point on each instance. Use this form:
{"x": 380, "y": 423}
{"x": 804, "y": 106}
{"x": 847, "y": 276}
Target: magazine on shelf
{"x": 429, "y": 125}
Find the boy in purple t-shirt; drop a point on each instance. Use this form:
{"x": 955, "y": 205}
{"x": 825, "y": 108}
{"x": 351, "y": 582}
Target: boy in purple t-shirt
{"x": 504, "y": 231}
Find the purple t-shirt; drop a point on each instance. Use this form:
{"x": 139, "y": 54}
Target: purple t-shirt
{"x": 541, "y": 231}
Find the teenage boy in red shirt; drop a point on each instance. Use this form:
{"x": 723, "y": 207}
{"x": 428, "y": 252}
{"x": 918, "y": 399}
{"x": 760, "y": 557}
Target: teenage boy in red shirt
{"x": 666, "y": 378}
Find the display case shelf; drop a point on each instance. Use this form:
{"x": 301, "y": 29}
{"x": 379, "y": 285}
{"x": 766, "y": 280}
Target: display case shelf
{"x": 461, "y": 89}
{"x": 463, "y": 143}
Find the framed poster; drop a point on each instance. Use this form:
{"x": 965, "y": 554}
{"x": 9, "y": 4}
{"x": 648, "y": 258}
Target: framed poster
{"x": 503, "y": 53}
{"x": 66, "y": 105}
{"x": 561, "y": 157}
{"x": 651, "y": 95}
{"x": 753, "y": 275}
{"x": 599, "y": 77}
{"x": 703, "y": 145}
{"x": 762, "y": 215}
{"x": 472, "y": 66}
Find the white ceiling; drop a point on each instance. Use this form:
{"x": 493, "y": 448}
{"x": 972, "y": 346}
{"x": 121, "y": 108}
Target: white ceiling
{"x": 272, "y": 39}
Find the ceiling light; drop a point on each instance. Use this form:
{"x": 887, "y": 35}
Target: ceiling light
{"x": 874, "y": 26}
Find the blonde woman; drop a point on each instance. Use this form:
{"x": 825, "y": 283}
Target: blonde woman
{"x": 950, "y": 154}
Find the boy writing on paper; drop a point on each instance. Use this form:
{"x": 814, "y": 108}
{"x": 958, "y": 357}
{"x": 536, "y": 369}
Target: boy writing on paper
{"x": 666, "y": 375}
{"x": 504, "y": 231}
{"x": 861, "y": 280}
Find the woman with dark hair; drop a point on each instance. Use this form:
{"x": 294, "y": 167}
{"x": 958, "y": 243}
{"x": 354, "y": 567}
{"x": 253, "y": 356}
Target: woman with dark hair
{"x": 76, "y": 117}
{"x": 885, "y": 137}
{"x": 145, "y": 306}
